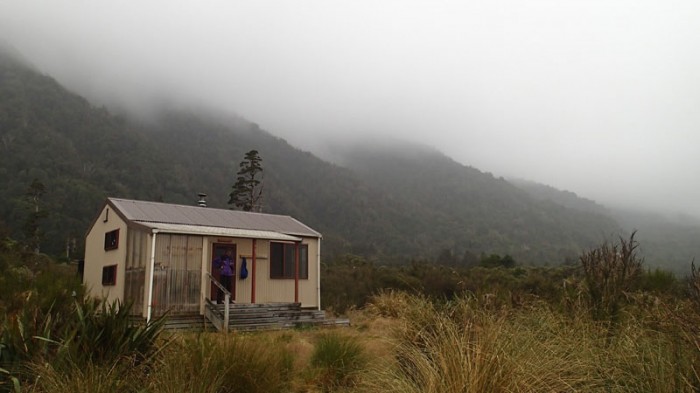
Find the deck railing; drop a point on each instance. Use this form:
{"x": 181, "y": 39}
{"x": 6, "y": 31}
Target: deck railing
{"x": 211, "y": 312}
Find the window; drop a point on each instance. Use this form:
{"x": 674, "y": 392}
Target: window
{"x": 282, "y": 260}
{"x": 112, "y": 240}
{"x": 109, "y": 275}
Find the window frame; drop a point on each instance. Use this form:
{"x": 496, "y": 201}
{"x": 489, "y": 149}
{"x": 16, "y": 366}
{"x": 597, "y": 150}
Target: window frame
{"x": 112, "y": 245}
{"x": 281, "y": 264}
{"x": 113, "y": 275}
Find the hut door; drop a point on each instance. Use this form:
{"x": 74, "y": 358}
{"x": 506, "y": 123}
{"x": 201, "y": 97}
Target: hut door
{"x": 219, "y": 250}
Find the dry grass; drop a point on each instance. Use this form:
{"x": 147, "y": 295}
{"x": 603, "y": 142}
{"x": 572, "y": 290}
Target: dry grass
{"x": 466, "y": 346}
{"x": 476, "y": 352}
{"x": 89, "y": 378}
{"x": 413, "y": 344}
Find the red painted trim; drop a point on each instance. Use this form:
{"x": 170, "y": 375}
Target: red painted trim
{"x": 252, "y": 275}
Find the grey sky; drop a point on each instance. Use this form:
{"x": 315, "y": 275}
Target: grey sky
{"x": 598, "y": 97}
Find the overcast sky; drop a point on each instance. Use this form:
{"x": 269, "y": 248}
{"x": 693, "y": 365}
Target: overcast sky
{"x": 598, "y": 97}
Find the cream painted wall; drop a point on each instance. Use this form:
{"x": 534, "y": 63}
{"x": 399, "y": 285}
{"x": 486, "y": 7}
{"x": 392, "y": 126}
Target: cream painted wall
{"x": 96, "y": 257}
{"x": 267, "y": 290}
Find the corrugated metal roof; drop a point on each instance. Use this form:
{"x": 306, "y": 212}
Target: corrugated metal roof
{"x": 144, "y": 212}
{"x": 219, "y": 231}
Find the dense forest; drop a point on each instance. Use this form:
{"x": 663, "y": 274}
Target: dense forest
{"x": 391, "y": 204}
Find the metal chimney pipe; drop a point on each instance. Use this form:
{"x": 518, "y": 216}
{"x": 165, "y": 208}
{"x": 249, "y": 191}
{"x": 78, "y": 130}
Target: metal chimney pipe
{"x": 202, "y": 202}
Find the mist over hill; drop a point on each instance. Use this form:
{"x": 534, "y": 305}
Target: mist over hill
{"x": 666, "y": 241}
{"x": 389, "y": 201}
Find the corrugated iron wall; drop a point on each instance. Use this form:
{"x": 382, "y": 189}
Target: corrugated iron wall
{"x": 135, "y": 270}
{"x": 177, "y": 276}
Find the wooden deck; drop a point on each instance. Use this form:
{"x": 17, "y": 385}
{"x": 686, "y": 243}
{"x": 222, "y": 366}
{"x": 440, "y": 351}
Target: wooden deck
{"x": 248, "y": 317}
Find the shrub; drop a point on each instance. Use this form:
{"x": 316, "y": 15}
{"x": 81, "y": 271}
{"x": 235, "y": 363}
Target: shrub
{"x": 694, "y": 284}
{"x": 660, "y": 282}
{"x": 388, "y": 303}
{"x": 610, "y": 270}
{"x": 32, "y": 316}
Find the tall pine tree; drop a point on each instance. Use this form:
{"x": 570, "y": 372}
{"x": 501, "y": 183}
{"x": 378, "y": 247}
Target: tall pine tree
{"x": 248, "y": 190}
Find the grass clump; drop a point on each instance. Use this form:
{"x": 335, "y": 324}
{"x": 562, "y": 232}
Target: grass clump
{"x": 86, "y": 378}
{"x": 338, "y": 359}
{"x": 461, "y": 347}
{"x": 223, "y": 363}
{"x": 466, "y": 346}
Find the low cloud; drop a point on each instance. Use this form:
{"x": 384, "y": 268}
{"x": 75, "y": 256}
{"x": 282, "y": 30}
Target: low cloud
{"x": 595, "y": 97}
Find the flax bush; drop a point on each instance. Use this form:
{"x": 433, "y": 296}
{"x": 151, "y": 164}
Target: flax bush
{"x": 103, "y": 333}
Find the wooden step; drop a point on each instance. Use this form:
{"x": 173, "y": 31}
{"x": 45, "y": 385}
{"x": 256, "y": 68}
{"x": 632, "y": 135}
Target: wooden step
{"x": 271, "y": 316}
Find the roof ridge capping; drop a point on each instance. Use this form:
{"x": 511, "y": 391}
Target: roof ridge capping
{"x": 198, "y": 207}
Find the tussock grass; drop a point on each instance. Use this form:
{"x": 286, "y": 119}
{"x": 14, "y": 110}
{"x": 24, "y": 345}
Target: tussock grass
{"x": 85, "y": 378}
{"x": 494, "y": 339}
{"x": 466, "y": 346}
{"x": 462, "y": 348}
{"x": 223, "y": 363}
{"x": 338, "y": 359}
{"x": 419, "y": 344}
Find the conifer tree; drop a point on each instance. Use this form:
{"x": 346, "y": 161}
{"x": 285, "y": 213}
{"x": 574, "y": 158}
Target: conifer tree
{"x": 248, "y": 190}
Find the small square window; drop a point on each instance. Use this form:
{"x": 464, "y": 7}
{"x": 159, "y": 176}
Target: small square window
{"x": 109, "y": 275}
{"x": 112, "y": 240}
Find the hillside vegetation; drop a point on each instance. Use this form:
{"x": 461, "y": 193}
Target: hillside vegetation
{"x": 513, "y": 329}
{"x": 391, "y": 206}
{"x": 667, "y": 242}
{"x": 469, "y": 210}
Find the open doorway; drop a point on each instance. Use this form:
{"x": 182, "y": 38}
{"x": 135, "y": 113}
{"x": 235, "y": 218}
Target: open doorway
{"x": 217, "y": 251}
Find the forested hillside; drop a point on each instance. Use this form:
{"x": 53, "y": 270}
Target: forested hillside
{"x": 472, "y": 211}
{"x": 667, "y": 242}
{"x": 79, "y": 153}
{"x": 565, "y": 198}
{"x": 387, "y": 204}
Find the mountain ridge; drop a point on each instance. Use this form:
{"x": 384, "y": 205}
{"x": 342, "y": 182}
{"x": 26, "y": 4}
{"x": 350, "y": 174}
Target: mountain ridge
{"x": 391, "y": 207}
